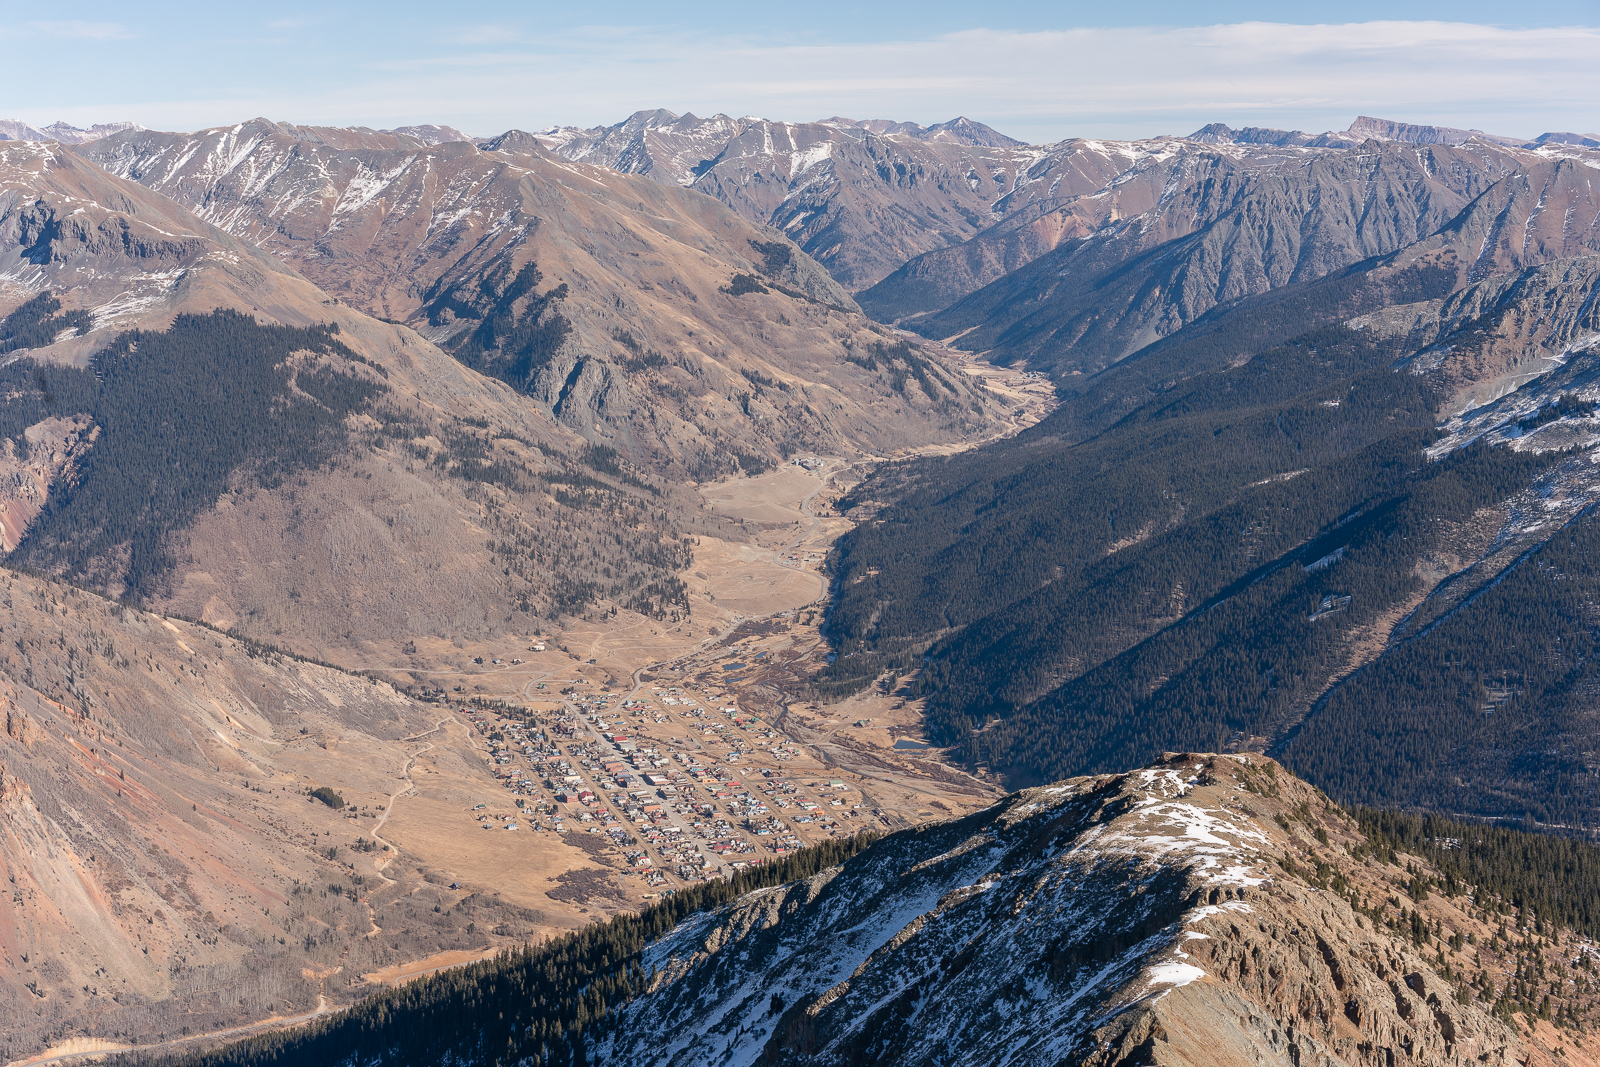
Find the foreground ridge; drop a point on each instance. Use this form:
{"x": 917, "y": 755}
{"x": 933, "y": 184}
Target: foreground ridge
{"x": 1207, "y": 909}
{"x": 1134, "y": 918}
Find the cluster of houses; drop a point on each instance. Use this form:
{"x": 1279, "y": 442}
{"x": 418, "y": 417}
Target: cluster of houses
{"x": 582, "y": 770}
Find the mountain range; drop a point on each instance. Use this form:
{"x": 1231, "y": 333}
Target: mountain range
{"x": 62, "y": 132}
{"x": 1316, "y": 498}
{"x": 583, "y": 315}
{"x": 1246, "y": 517}
{"x": 368, "y": 400}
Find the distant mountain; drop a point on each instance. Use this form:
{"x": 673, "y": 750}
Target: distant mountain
{"x": 11, "y": 130}
{"x": 597, "y": 342}
{"x": 657, "y": 142}
{"x": 1204, "y": 225}
{"x": 1583, "y": 140}
{"x": 431, "y": 134}
{"x": 643, "y": 273}
{"x": 1219, "y": 133}
{"x": 210, "y": 400}
{"x": 1412, "y": 133}
{"x": 347, "y": 136}
{"x": 914, "y": 218}
{"x": 959, "y": 130}
{"x": 1363, "y": 128}
{"x": 861, "y": 197}
{"x": 1134, "y": 210}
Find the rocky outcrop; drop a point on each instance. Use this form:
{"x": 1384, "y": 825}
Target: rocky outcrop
{"x": 1496, "y": 336}
{"x": 19, "y": 727}
{"x": 50, "y": 450}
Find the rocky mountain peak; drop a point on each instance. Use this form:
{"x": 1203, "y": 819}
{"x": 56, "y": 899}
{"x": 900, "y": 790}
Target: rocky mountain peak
{"x": 429, "y": 134}
{"x": 1419, "y": 133}
{"x": 1213, "y": 133}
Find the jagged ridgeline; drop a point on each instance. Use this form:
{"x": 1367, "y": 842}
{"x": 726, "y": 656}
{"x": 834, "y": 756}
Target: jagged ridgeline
{"x": 517, "y": 330}
{"x": 535, "y": 1007}
{"x": 177, "y": 417}
{"x": 1028, "y": 932}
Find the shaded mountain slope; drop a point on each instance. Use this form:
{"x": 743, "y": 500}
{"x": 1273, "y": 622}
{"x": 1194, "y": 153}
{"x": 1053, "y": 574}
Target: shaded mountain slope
{"x": 114, "y": 256}
{"x": 432, "y": 449}
{"x": 1091, "y": 302}
{"x": 1484, "y": 701}
{"x": 1202, "y": 566}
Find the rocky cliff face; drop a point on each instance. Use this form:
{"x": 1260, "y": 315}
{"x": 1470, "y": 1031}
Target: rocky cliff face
{"x": 1199, "y": 911}
{"x": 29, "y": 470}
{"x": 1218, "y": 224}
{"x": 1489, "y": 339}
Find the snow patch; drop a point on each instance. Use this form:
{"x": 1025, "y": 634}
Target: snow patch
{"x": 1175, "y": 974}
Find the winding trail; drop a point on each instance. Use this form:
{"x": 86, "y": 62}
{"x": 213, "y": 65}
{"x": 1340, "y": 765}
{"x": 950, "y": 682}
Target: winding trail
{"x": 390, "y": 850}
{"x": 410, "y": 787}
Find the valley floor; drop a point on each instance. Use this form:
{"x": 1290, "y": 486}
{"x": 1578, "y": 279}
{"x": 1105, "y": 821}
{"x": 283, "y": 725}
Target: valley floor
{"x": 753, "y": 767}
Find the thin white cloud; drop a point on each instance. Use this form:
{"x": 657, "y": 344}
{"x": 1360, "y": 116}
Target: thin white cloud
{"x": 486, "y": 34}
{"x": 81, "y": 30}
{"x": 1041, "y": 86}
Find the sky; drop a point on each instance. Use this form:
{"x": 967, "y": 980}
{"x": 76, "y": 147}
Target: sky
{"x": 1037, "y": 71}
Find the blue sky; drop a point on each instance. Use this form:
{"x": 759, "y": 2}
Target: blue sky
{"x": 1037, "y": 71}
